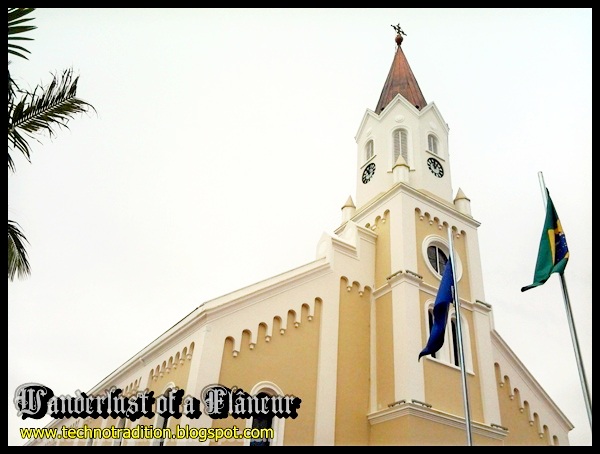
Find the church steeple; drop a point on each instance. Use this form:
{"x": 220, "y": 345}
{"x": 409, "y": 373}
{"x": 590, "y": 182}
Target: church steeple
{"x": 404, "y": 126}
{"x": 400, "y": 79}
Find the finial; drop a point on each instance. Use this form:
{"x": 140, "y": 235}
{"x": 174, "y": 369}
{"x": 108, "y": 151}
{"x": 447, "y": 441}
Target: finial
{"x": 399, "y": 33}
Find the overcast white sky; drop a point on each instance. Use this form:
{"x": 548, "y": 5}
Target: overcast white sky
{"x": 224, "y": 146}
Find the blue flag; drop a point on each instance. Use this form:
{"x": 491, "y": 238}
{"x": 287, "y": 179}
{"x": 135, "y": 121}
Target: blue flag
{"x": 440, "y": 312}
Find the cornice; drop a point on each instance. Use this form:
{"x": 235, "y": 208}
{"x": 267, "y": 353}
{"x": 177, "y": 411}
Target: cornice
{"x": 378, "y": 202}
{"x": 404, "y": 409}
{"x": 215, "y": 309}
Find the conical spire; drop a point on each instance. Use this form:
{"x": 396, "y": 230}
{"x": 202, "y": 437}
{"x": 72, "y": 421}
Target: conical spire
{"x": 348, "y": 209}
{"x": 400, "y": 79}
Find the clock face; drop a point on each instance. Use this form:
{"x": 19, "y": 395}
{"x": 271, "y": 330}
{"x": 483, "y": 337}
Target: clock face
{"x": 368, "y": 173}
{"x": 435, "y": 167}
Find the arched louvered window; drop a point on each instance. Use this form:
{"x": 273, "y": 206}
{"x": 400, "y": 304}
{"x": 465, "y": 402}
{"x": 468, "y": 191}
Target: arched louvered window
{"x": 432, "y": 143}
{"x": 400, "y": 144}
{"x": 369, "y": 151}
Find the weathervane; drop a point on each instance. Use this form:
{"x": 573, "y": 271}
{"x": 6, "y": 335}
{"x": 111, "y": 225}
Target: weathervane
{"x": 398, "y": 29}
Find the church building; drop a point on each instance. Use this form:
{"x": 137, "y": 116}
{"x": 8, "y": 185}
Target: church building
{"x": 332, "y": 346}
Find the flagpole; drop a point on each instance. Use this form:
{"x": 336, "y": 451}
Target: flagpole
{"x": 563, "y": 283}
{"x": 461, "y": 353}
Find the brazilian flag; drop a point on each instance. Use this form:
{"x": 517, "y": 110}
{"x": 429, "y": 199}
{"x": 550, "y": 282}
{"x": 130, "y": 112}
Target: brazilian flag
{"x": 553, "y": 253}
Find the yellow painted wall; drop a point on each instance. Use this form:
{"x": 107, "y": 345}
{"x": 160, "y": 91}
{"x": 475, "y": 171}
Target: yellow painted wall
{"x": 289, "y": 361}
{"x": 179, "y": 377}
{"x": 443, "y": 383}
{"x": 520, "y": 431}
{"x": 351, "y": 425}
{"x": 423, "y": 229}
{"x": 383, "y": 258}
{"x": 444, "y": 391}
{"x": 384, "y": 351}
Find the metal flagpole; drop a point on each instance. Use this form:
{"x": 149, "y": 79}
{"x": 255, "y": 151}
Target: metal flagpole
{"x": 563, "y": 283}
{"x": 461, "y": 352}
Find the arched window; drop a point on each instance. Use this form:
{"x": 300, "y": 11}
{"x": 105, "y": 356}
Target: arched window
{"x": 430, "y": 317}
{"x": 449, "y": 353}
{"x": 162, "y": 422}
{"x": 263, "y": 422}
{"x": 400, "y": 144}
{"x": 120, "y": 425}
{"x": 437, "y": 258}
{"x": 432, "y": 143}
{"x": 466, "y": 342}
{"x": 436, "y": 253}
{"x": 455, "y": 353}
{"x": 276, "y": 424}
{"x": 369, "y": 150}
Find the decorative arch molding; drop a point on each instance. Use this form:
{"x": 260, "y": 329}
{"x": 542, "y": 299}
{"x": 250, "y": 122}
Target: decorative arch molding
{"x": 537, "y": 424}
{"x": 517, "y": 398}
{"x": 433, "y": 218}
{"x": 546, "y": 434}
{"x": 379, "y": 219}
{"x": 278, "y": 326}
{"x": 527, "y": 410}
{"x": 533, "y": 417}
{"x": 131, "y": 388}
{"x": 172, "y": 363}
{"x": 355, "y": 285}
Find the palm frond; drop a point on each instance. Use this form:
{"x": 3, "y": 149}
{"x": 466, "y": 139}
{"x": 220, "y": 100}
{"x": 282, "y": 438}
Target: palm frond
{"x": 18, "y": 264}
{"x": 46, "y": 109}
{"x": 16, "y": 19}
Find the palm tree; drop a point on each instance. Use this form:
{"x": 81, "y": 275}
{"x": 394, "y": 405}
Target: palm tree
{"x": 31, "y": 114}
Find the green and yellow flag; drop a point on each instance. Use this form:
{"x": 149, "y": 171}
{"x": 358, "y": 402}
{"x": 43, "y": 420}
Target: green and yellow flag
{"x": 553, "y": 253}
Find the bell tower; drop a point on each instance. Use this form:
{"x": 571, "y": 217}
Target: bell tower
{"x": 404, "y": 195}
{"x": 405, "y": 140}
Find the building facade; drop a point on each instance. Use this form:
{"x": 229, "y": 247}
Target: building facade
{"x": 340, "y": 336}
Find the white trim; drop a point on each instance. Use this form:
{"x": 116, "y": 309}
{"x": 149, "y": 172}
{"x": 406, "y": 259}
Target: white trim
{"x": 466, "y": 334}
{"x": 212, "y": 310}
{"x": 278, "y": 424}
{"x": 442, "y": 243}
{"x": 437, "y": 416}
{"x": 445, "y": 355}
